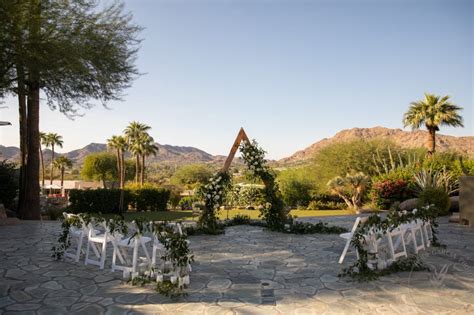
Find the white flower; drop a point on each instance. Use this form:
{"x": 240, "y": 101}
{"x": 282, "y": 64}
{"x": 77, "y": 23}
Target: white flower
{"x": 404, "y": 212}
{"x": 208, "y": 196}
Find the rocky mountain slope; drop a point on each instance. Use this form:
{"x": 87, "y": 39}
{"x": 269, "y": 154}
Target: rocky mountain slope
{"x": 405, "y": 139}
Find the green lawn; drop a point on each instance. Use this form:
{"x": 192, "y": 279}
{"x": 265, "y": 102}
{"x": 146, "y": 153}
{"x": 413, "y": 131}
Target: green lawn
{"x": 253, "y": 214}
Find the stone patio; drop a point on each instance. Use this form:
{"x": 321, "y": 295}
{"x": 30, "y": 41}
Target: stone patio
{"x": 246, "y": 271}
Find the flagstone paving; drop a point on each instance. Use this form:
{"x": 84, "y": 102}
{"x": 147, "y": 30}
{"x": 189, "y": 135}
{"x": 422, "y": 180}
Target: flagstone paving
{"x": 246, "y": 271}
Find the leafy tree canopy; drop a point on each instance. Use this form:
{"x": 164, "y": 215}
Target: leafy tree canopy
{"x": 192, "y": 175}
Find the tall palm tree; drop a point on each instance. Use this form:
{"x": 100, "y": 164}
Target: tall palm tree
{"x": 119, "y": 144}
{"x": 133, "y": 132}
{"x": 43, "y": 141}
{"x": 148, "y": 148}
{"x": 54, "y": 140}
{"x": 62, "y": 163}
{"x": 433, "y": 112}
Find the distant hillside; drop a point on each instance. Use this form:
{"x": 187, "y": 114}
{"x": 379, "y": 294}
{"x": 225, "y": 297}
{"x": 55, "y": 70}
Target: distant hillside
{"x": 405, "y": 139}
{"x": 168, "y": 154}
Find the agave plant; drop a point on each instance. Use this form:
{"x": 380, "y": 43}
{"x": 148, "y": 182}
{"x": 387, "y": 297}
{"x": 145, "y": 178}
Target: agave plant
{"x": 436, "y": 179}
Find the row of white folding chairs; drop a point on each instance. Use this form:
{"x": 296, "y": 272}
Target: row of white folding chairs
{"x": 418, "y": 233}
{"x": 97, "y": 240}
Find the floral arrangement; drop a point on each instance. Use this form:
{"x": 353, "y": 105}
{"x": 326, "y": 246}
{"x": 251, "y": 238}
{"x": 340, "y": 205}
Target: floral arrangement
{"x": 213, "y": 193}
{"x": 366, "y": 267}
{"x": 273, "y": 211}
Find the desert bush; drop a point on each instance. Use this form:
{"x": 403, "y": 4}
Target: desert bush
{"x": 296, "y": 187}
{"x": 350, "y": 188}
{"x": 435, "y": 196}
{"x": 386, "y": 192}
{"x": 326, "y": 202}
{"x": 8, "y": 184}
{"x": 186, "y": 203}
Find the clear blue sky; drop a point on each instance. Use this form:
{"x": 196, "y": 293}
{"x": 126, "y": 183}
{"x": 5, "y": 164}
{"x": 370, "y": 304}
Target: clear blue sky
{"x": 289, "y": 72}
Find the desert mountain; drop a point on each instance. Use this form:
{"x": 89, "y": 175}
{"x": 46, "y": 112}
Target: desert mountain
{"x": 405, "y": 139}
{"x": 168, "y": 154}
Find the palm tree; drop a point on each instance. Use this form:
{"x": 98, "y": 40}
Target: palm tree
{"x": 119, "y": 143}
{"x": 433, "y": 112}
{"x": 62, "y": 163}
{"x": 148, "y": 148}
{"x": 132, "y": 133}
{"x": 53, "y": 140}
{"x": 43, "y": 141}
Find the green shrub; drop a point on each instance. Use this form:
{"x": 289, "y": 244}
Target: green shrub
{"x": 437, "y": 197}
{"x": 149, "y": 199}
{"x": 186, "y": 203}
{"x": 296, "y": 187}
{"x": 8, "y": 184}
{"x": 241, "y": 219}
{"x": 108, "y": 200}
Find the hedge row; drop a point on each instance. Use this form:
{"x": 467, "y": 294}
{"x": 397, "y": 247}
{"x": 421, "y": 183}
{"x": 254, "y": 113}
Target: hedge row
{"x": 108, "y": 200}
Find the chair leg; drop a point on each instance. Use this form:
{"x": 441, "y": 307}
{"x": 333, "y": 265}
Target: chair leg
{"x": 135, "y": 256}
{"x": 79, "y": 248}
{"x": 87, "y": 252}
{"x": 103, "y": 254}
{"x": 344, "y": 252}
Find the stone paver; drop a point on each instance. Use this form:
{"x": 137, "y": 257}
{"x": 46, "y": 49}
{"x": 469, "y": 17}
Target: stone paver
{"x": 246, "y": 271}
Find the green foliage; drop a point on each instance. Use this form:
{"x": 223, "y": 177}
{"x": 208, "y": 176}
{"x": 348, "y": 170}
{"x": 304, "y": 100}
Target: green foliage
{"x": 213, "y": 194}
{"x": 100, "y": 166}
{"x": 296, "y": 227}
{"x": 8, "y": 184}
{"x": 326, "y": 202}
{"x": 169, "y": 289}
{"x": 191, "y": 175}
{"x": 149, "y": 199}
{"x": 339, "y": 159}
{"x": 186, "y": 203}
{"x": 243, "y": 196}
{"x": 296, "y": 187}
{"x": 435, "y": 196}
{"x": 108, "y": 200}
{"x": 241, "y": 219}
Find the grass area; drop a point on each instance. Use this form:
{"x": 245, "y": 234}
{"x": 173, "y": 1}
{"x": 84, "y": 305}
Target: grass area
{"x": 253, "y": 214}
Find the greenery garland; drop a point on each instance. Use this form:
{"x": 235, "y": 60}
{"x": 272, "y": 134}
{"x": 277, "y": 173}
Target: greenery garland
{"x": 362, "y": 269}
{"x": 273, "y": 212}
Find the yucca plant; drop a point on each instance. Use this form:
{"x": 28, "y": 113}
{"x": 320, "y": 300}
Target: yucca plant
{"x": 426, "y": 179}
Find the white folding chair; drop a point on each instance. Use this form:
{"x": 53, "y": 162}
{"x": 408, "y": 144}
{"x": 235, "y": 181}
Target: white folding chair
{"x": 75, "y": 237}
{"x": 122, "y": 246}
{"x": 427, "y": 232}
{"x": 98, "y": 243}
{"x": 396, "y": 242}
{"x": 348, "y": 237}
{"x": 413, "y": 230}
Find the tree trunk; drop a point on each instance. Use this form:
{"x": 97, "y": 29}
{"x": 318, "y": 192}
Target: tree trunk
{"x": 30, "y": 209}
{"x": 431, "y": 141}
{"x": 123, "y": 169}
{"x": 137, "y": 168}
{"x": 62, "y": 180}
{"x": 142, "y": 177}
{"x": 52, "y": 167}
{"x": 42, "y": 167}
{"x": 119, "y": 169}
{"x": 23, "y": 140}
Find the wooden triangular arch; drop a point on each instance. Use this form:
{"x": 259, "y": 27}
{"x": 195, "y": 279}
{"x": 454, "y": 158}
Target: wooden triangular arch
{"x": 241, "y": 136}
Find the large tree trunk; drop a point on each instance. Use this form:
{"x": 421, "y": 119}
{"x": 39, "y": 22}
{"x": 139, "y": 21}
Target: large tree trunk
{"x": 23, "y": 140}
{"x": 431, "y": 141}
{"x": 30, "y": 209}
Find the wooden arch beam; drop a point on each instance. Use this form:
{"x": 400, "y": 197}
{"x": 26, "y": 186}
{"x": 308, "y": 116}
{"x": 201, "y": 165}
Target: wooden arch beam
{"x": 241, "y": 136}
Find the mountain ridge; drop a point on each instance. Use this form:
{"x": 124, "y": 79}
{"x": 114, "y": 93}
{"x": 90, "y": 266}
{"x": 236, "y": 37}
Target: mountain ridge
{"x": 180, "y": 155}
{"x": 405, "y": 139}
